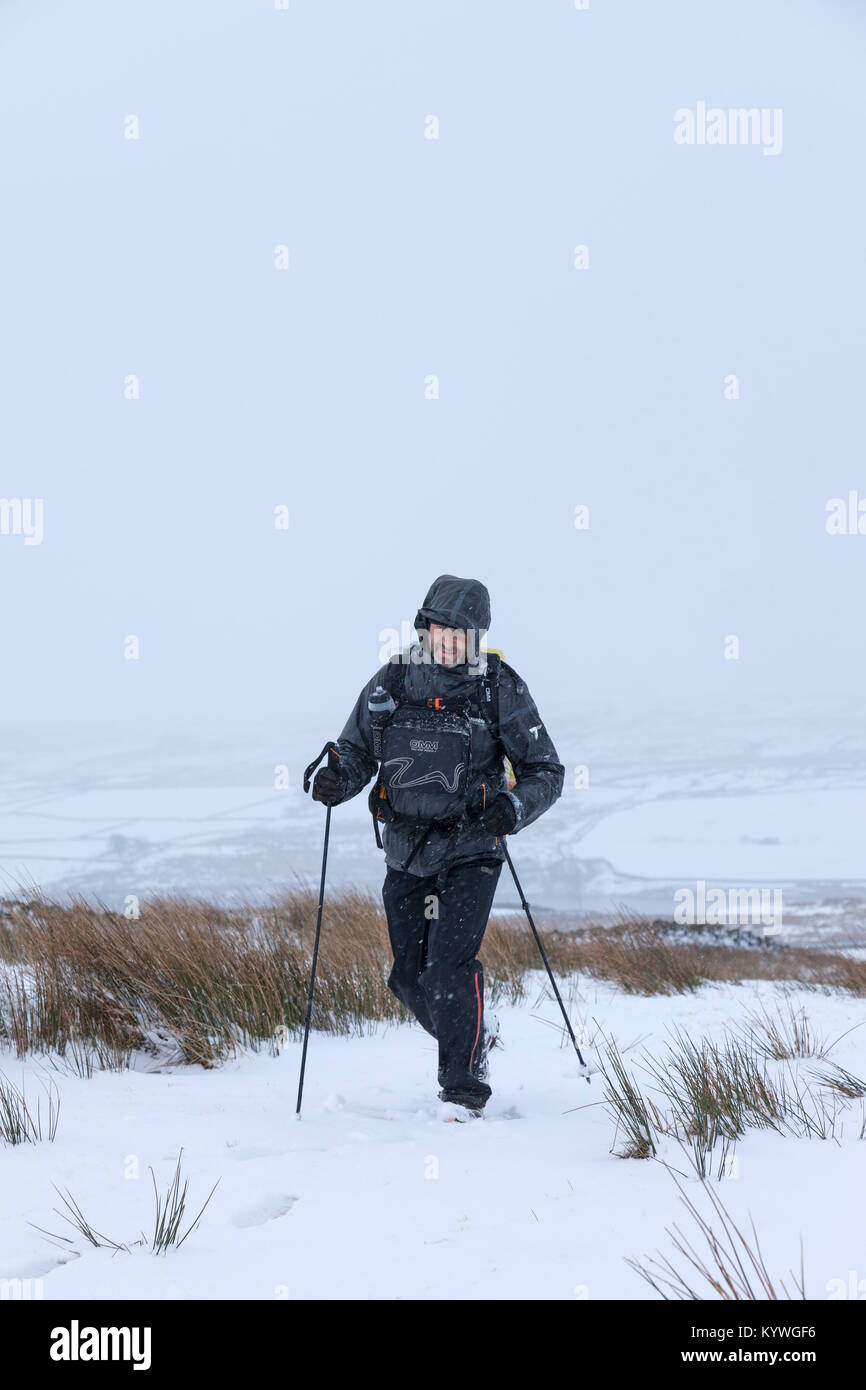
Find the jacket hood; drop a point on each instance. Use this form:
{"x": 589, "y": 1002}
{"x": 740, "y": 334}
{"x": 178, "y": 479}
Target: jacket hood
{"x": 463, "y": 603}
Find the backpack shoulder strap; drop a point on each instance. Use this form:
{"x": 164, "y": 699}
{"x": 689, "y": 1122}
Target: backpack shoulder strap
{"x": 490, "y": 691}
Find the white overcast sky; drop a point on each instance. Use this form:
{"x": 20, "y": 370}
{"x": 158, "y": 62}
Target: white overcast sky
{"x": 410, "y": 257}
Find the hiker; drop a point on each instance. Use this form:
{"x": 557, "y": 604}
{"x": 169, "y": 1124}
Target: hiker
{"x": 436, "y": 723}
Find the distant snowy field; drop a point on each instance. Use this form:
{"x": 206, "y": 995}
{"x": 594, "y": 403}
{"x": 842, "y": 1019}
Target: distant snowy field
{"x": 372, "y": 1196}
{"x": 767, "y": 797}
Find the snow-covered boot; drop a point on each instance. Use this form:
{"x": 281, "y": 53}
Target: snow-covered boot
{"x": 466, "y": 1091}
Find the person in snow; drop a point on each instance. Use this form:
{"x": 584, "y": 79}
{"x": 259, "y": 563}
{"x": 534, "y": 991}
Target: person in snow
{"x": 444, "y": 822}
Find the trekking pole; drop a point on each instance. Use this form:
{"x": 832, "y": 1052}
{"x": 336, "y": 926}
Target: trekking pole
{"x": 307, "y": 775}
{"x": 525, "y": 906}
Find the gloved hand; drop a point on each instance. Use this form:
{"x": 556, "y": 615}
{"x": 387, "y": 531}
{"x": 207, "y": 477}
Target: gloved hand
{"x": 327, "y": 786}
{"x": 500, "y": 816}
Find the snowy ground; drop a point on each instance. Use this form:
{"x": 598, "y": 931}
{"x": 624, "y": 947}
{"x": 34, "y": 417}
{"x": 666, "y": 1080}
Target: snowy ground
{"x": 371, "y": 1195}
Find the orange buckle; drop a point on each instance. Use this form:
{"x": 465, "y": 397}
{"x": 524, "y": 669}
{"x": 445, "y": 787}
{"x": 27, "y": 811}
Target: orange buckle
{"x": 436, "y": 701}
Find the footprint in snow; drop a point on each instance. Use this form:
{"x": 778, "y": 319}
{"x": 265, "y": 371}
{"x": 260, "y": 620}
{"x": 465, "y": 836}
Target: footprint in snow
{"x": 36, "y": 1269}
{"x": 261, "y": 1212}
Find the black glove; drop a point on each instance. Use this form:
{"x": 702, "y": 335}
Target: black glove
{"x": 327, "y": 786}
{"x": 500, "y": 817}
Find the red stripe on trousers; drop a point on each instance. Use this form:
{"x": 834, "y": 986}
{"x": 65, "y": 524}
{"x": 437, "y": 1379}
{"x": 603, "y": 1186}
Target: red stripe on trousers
{"x": 478, "y": 1029}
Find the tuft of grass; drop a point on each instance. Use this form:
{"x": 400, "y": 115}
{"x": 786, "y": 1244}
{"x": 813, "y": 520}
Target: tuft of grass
{"x": 82, "y": 1059}
{"x": 717, "y": 1090}
{"x": 785, "y": 1034}
{"x": 808, "y": 1114}
{"x": 841, "y": 1080}
{"x": 168, "y": 1219}
{"x": 18, "y": 1122}
{"x": 712, "y": 1093}
{"x": 75, "y": 1218}
{"x": 170, "y": 1210}
{"x": 632, "y": 1114}
{"x": 725, "y": 1265}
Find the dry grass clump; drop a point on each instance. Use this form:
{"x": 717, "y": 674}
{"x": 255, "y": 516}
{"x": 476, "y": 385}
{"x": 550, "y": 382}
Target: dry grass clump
{"x": 707, "y": 1094}
{"x": 645, "y": 957}
{"x": 19, "y": 1122}
{"x": 171, "y": 1209}
{"x": 206, "y": 978}
{"x": 193, "y": 980}
{"x": 718, "y": 1262}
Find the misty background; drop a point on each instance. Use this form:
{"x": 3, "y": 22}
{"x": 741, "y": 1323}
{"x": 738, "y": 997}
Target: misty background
{"x": 304, "y": 388}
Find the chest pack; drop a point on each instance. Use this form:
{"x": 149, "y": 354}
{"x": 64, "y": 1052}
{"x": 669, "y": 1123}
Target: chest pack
{"x": 425, "y": 751}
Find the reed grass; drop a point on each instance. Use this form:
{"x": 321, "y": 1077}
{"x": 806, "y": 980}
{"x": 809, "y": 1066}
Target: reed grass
{"x": 189, "y": 981}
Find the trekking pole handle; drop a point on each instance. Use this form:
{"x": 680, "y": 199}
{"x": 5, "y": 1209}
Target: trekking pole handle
{"x": 333, "y": 763}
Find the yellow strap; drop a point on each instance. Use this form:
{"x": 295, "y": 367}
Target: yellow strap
{"x": 509, "y": 770}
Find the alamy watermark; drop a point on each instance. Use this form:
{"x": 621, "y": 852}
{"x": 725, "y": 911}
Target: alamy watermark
{"x": 21, "y": 1289}
{"x": 729, "y": 907}
{"x": 846, "y": 516}
{"x": 741, "y": 125}
{"x": 22, "y": 516}
{"x": 77, "y": 1343}
{"x": 413, "y": 647}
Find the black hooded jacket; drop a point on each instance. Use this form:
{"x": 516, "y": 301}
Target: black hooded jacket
{"x": 465, "y": 604}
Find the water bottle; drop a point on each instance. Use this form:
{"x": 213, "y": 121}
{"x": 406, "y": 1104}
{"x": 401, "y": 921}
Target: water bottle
{"x": 381, "y": 706}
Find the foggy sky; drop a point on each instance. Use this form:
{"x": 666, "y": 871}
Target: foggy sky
{"x": 410, "y": 257}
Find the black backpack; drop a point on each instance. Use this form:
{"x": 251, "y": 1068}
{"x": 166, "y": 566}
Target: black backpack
{"x": 425, "y": 755}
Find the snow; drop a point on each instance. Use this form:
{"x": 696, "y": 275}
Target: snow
{"x": 371, "y": 1195}
{"x": 817, "y": 834}
{"x": 263, "y": 389}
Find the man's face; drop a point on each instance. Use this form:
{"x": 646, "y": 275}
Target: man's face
{"x": 447, "y": 645}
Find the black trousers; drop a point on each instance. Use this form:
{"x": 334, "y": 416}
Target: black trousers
{"x": 436, "y": 934}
